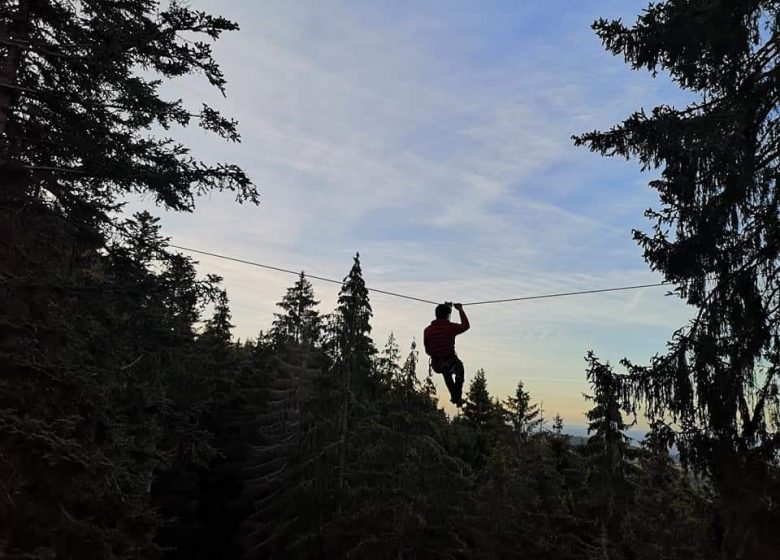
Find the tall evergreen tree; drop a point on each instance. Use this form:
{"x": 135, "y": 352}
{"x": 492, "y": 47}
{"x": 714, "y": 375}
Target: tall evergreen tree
{"x": 75, "y": 111}
{"x": 354, "y": 319}
{"x": 353, "y": 364}
{"x": 480, "y": 422}
{"x": 429, "y": 387}
{"x": 217, "y": 329}
{"x": 96, "y": 340}
{"x": 607, "y": 447}
{"x": 408, "y": 375}
{"x": 478, "y": 408}
{"x": 184, "y": 489}
{"x": 715, "y": 238}
{"x": 524, "y": 415}
{"x": 301, "y": 322}
{"x": 388, "y": 363}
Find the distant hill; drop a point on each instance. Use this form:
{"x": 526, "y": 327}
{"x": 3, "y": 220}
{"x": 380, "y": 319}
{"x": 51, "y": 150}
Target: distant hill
{"x": 577, "y": 441}
{"x": 580, "y": 440}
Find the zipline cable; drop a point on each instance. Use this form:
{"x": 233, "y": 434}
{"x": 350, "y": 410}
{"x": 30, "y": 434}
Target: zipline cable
{"x": 564, "y": 294}
{"x": 403, "y": 296}
{"x": 277, "y": 269}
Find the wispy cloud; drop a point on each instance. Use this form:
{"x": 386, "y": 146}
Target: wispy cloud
{"x": 435, "y": 139}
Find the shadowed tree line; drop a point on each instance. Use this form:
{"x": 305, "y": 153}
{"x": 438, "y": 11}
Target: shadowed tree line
{"x": 133, "y": 425}
{"x": 329, "y": 448}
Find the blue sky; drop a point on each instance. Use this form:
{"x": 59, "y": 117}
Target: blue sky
{"x": 434, "y": 138}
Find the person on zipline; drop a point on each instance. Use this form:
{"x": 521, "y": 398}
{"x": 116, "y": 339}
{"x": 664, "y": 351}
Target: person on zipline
{"x": 439, "y": 340}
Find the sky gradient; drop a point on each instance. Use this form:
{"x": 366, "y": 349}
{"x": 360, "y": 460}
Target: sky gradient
{"x": 435, "y": 138}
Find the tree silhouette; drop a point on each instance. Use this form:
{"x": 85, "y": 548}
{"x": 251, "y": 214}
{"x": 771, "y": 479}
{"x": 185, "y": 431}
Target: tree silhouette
{"x": 354, "y": 362}
{"x": 389, "y": 362}
{"x": 714, "y": 238}
{"x": 608, "y": 449}
{"x": 301, "y": 322}
{"x": 478, "y": 408}
{"x": 524, "y": 415}
{"x": 75, "y": 112}
{"x": 100, "y": 387}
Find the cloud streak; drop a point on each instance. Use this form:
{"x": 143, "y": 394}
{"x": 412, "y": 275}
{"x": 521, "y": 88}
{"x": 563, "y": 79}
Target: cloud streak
{"x": 435, "y": 139}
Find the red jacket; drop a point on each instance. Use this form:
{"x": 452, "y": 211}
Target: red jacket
{"x": 439, "y": 336}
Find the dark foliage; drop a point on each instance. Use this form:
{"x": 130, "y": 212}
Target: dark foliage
{"x": 105, "y": 380}
{"x": 132, "y": 424}
{"x": 715, "y": 237}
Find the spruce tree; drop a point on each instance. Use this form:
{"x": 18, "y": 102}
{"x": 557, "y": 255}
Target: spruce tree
{"x": 217, "y": 328}
{"x": 522, "y": 413}
{"x": 388, "y": 362}
{"x": 429, "y": 387}
{"x": 301, "y": 322}
{"x": 714, "y": 238}
{"x": 75, "y": 111}
{"x": 478, "y": 408}
{"x": 475, "y": 427}
{"x": 97, "y": 323}
{"x": 353, "y": 363}
{"x": 186, "y": 490}
{"x": 354, "y": 320}
{"x": 408, "y": 374}
{"x": 608, "y": 449}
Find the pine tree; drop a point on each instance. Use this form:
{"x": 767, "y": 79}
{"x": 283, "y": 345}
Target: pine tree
{"x": 407, "y": 377}
{"x": 354, "y": 315}
{"x": 185, "y": 489}
{"x": 478, "y": 408}
{"x": 429, "y": 387}
{"x": 301, "y": 322}
{"x": 75, "y": 110}
{"x": 388, "y": 362}
{"x": 608, "y": 449}
{"x": 714, "y": 238}
{"x": 523, "y": 415}
{"x": 217, "y": 328}
{"x": 353, "y": 364}
{"x": 480, "y": 422}
{"x": 403, "y": 485}
{"x": 96, "y": 340}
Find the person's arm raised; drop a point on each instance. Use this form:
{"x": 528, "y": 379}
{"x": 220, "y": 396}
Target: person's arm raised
{"x": 464, "y": 321}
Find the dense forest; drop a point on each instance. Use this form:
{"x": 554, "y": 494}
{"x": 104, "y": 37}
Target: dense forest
{"x": 133, "y": 425}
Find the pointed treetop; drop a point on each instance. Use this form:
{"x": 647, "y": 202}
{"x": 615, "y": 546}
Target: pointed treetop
{"x": 301, "y": 322}
{"x": 478, "y": 407}
{"x": 388, "y": 363}
{"x": 605, "y": 419}
{"x": 409, "y": 370}
{"x": 524, "y": 415}
{"x": 352, "y": 321}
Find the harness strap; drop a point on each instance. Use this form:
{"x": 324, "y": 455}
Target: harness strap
{"x": 446, "y": 363}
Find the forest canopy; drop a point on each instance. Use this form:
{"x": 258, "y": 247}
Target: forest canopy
{"x": 134, "y": 425}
